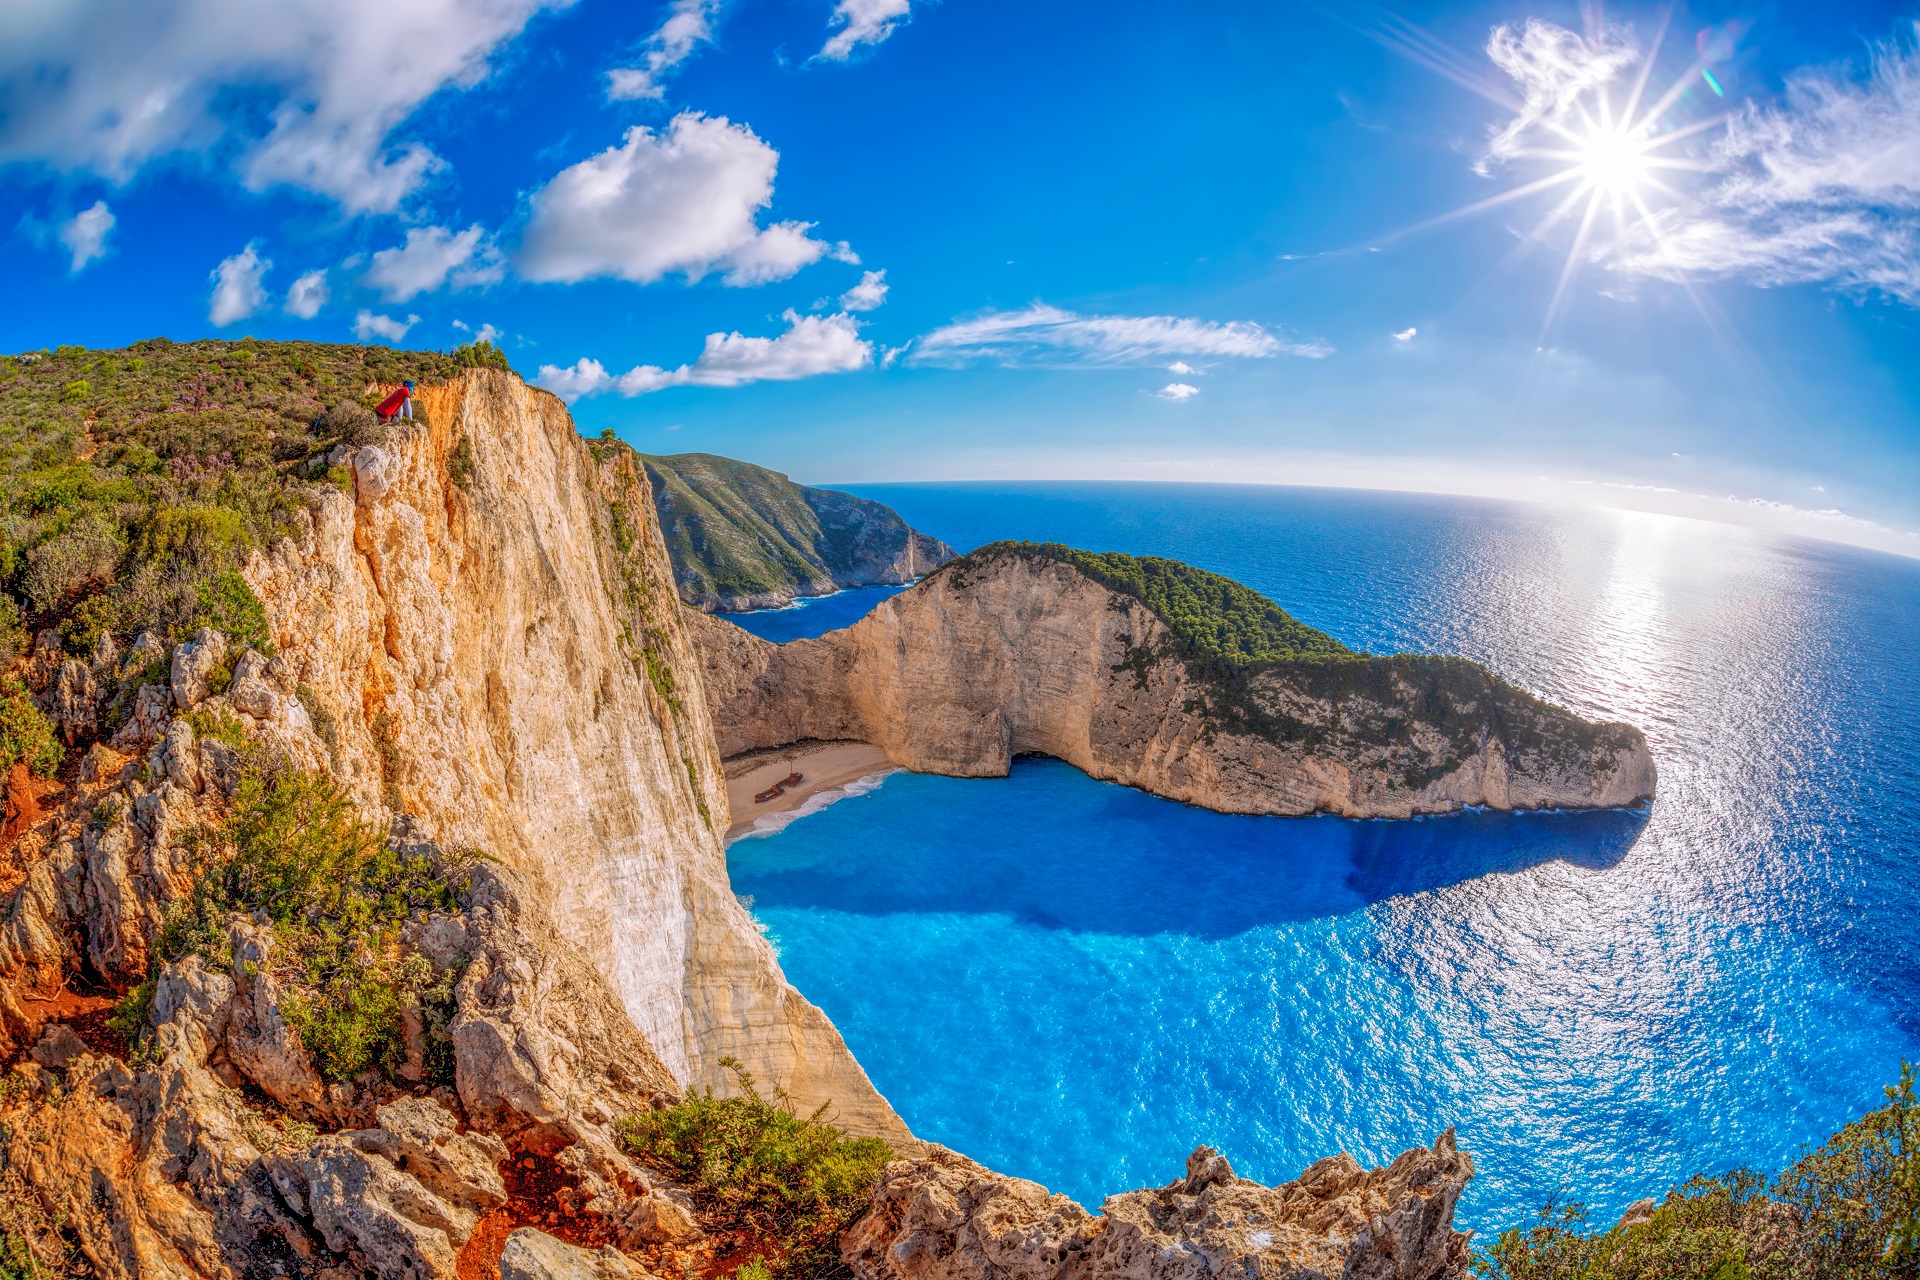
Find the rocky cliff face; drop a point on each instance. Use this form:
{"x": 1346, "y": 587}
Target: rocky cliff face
{"x": 942, "y": 1217}
{"x": 989, "y": 659}
{"x": 504, "y": 659}
{"x": 744, "y": 537}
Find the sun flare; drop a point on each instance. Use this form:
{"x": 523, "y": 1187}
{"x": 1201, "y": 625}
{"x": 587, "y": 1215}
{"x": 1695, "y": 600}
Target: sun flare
{"x": 1614, "y": 162}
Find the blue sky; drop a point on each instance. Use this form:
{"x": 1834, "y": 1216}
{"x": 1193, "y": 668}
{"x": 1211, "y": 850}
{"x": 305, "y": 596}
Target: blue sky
{"x": 901, "y": 239}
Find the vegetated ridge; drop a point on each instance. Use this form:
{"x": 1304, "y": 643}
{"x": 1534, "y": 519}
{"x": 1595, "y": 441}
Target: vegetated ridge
{"x": 743, "y": 537}
{"x": 1166, "y": 677}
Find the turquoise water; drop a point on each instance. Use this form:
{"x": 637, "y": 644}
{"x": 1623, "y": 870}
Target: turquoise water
{"x": 1078, "y": 983}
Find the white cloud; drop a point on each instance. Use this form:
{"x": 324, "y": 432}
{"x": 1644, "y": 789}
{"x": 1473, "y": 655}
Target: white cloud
{"x": 1405, "y": 335}
{"x": 237, "y": 291}
{"x": 485, "y": 333}
{"x": 1178, "y": 391}
{"x": 308, "y": 294}
{"x": 868, "y": 294}
{"x": 1823, "y": 188}
{"x": 1043, "y": 335}
{"x": 1182, "y": 367}
{"x": 430, "y": 258}
{"x": 811, "y": 345}
{"x": 686, "y": 200}
{"x": 861, "y": 22}
{"x": 367, "y": 326}
{"x": 1552, "y": 67}
{"x": 85, "y": 234}
{"x": 689, "y": 23}
{"x": 310, "y": 90}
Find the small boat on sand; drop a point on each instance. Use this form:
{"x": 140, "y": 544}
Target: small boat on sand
{"x": 791, "y": 780}
{"x": 771, "y": 793}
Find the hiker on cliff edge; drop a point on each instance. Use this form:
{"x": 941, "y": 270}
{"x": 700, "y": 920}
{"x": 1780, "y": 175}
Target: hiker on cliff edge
{"x": 398, "y": 405}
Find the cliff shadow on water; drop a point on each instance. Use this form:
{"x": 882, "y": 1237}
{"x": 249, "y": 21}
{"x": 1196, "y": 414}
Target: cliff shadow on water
{"x": 1159, "y": 867}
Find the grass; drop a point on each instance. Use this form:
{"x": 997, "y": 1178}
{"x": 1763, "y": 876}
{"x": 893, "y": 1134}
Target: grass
{"x": 337, "y": 893}
{"x": 134, "y": 482}
{"x": 757, "y": 1165}
{"x": 1850, "y": 1209}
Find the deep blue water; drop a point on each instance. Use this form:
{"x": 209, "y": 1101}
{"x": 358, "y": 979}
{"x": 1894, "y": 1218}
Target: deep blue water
{"x": 813, "y": 616}
{"x": 1078, "y": 983}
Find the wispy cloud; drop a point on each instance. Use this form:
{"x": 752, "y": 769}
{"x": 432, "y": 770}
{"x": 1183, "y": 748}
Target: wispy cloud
{"x": 237, "y": 288}
{"x": 368, "y": 326}
{"x": 1822, "y": 188}
{"x": 85, "y": 234}
{"x": 485, "y": 333}
{"x": 1178, "y": 391}
{"x": 868, "y": 294}
{"x": 811, "y": 345}
{"x": 1552, "y": 67}
{"x": 861, "y": 22}
{"x": 1044, "y": 335}
{"x": 106, "y": 87}
{"x": 688, "y": 25}
{"x": 1406, "y": 335}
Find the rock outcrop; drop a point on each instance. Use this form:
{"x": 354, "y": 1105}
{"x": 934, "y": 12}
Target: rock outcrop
{"x": 943, "y": 1217}
{"x": 997, "y": 656}
{"x": 503, "y": 657}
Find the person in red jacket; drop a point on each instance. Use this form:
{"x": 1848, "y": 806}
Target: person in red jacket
{"x": 398, "y": 405}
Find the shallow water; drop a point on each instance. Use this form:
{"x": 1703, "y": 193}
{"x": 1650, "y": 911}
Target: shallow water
{"x": 1077, "y": 983}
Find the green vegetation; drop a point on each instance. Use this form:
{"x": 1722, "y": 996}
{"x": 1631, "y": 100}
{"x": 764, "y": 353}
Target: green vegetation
{"x": 1229, "y": 637}
{"x": 337, "y": 893}
{"x": 25, "y": 734}
{"x": 1849, "y": 1209}
{"x": 1209, "y": 615}
{"x": 794, "y": 1181}
{"x": 136, "y": 481}
{"x": 736, "y": 532}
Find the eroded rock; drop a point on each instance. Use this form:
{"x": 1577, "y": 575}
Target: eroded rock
{"x": 942, "y": 1217}
{"x": 535, "y": 1255}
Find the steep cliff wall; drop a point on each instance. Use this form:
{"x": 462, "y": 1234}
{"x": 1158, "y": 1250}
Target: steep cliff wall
{"x": 744, "y": 537}
{"x": 503, "y": 656}
{"x": 1006, "y": 654}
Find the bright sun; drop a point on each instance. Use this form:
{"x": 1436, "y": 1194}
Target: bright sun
{"x": 1613, "y": 162}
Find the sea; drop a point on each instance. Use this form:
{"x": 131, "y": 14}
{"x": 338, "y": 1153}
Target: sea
{"x": 1079, "y": 983}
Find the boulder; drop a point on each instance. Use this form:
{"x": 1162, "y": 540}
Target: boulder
{"x": 375, "y": 471}
{"x": 75, "y": 709}
{"x": 194, "y": 664}
{"x": 535, "y": 1255}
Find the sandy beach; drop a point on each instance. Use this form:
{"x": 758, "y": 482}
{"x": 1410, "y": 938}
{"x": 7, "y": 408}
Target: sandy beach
{"x": 822, "y": 765}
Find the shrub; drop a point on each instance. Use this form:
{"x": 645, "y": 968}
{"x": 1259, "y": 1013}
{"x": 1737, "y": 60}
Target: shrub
{"x": 352, "y": 423}
{"x": 87, "y": 552}
{"x": 228, "y": 605}
{"x": 79, "y": 389}
{"x": 337, "y": 893}
{"x": 482, "y": 355}
{"x": 796, "y": 1181}
{"x": 1849, "y": 1209}
{"x": 25, "y": 733}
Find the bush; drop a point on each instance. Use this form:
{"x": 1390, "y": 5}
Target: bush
{"x": 793, "y": 1180}
{"x": 337, "y": 893}
{"x": 87, "y": 552}
{"x": 25, "y": 733}
{"x": 1849, "y": 1209}
{"x": 352, "y": 423}
{"x": 482, "y": 355}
